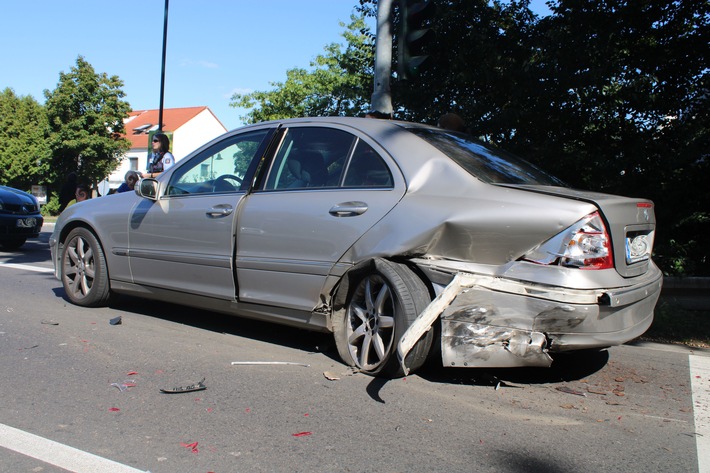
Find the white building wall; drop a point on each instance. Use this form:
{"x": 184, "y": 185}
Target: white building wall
{"x": 193, "y": 134}
{"x": 190, "y": 136}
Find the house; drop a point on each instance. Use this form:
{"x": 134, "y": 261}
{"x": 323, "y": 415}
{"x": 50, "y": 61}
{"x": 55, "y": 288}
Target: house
{"x": 190, "y": 127}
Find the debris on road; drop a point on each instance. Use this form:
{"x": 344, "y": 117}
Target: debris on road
{"x": 568, "y": 390}
{"x": 329, "y": 375}
{"x": 128, "y": 383}
{"x": 49, "y": 322}
{"x": 192, "y": 446}
{"x": 115, "y": 321}
{"x": 185, "y": 389}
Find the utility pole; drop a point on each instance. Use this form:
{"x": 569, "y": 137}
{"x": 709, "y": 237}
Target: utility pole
{"x": 162, "y": 72}
{"x": 382, "y": 96}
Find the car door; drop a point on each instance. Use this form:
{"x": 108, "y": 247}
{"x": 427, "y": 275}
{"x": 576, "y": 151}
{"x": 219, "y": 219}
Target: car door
{"x": 325, "y": 187}
{"x": 184, "y": 241}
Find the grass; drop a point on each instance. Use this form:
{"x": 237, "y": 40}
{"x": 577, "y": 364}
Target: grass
{"x": 675, "y": 323}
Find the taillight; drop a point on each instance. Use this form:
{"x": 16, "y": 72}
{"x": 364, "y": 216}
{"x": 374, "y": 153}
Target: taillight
{"x": 584, "y": 245}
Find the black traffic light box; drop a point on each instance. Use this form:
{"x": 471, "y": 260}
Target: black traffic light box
{"x": 415, "y": 35}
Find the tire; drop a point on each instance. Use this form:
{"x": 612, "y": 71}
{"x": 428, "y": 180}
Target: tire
{"x": 84, "y": 272}
{"x": 13, "y": 243}
{"x": 384, "y": 301}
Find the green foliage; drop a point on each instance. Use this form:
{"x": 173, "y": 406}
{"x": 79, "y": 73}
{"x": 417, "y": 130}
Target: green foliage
{"x": 612, "y": 96}
{"x": 86, "y": 113}
{"x": 24, "y": 151}
{"x": 339, "y": 84}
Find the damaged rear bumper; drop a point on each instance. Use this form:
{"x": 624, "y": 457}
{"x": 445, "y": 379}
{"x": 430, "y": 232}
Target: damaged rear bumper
{"x": 496, "y": 322}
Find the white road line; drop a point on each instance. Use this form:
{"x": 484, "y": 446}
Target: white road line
{"x": 700, "y": 384}
{"x": 27, "y": 267}
{"x": 57, "y": 454}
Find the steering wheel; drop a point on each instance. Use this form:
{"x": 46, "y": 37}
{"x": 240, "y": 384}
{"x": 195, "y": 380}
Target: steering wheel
{"x": 223, "y": 184}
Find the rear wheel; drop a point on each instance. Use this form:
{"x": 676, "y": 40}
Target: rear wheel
{"x": 384, "y": 302}
{"x": 84, "y": 272}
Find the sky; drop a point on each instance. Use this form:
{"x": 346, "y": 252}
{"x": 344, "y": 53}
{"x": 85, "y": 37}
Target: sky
{"x": 215, "y": 48}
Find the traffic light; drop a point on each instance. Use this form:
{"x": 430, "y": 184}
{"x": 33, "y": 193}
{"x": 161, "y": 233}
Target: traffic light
{"x": 415, "y": 35}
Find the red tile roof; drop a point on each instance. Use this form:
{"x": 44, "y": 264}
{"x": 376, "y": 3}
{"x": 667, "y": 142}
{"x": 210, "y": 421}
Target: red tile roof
{"x": 173, "y": 118}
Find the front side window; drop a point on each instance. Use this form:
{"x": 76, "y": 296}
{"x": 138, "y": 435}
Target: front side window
{"x": 222, "y": 168}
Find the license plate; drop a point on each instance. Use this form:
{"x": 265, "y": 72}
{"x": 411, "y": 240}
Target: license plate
{"x": 638, "y": 248}
{"x": 27, "y": 222}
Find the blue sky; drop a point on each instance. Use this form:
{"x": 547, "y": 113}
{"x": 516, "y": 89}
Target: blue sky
{"x": 214, "y": 48}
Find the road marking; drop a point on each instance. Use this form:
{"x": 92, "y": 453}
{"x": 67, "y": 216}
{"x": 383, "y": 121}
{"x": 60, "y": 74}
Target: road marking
{"x": 700, "y": 384}
{"x": 57, "y": 454}
{"x": 27, "y": 267}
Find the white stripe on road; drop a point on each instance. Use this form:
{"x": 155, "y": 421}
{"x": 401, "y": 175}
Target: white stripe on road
{"x": 27, "y": 267}
{"x": 700, "y": 385}
{"x": 57, "y": 454}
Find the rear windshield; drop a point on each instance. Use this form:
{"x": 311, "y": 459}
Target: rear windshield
{"x": 484, "y": 162}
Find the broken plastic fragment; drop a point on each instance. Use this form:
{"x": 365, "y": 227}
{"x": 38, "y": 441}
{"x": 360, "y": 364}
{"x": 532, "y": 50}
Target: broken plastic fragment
{"x": 115, "y": 321}
{"x": 50, "y": 322}
{"x": 185, "y": 389}
{"x": 302, "y": 434}
{"x": 128, "y": 383}
{"x": 192, "y": 446}
{"x": 331, "y": 376}
{"x": 565, "y": 389}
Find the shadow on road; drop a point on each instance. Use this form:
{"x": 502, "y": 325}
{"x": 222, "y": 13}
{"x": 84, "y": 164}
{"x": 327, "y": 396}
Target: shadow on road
{"x": 298, "y": 339}
{"x": 567, "y": 367}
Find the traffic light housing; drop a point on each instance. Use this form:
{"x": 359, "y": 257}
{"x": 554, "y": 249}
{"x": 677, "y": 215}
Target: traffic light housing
{"x": 415, "y": 34}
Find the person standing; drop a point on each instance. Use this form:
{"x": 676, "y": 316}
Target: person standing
{"x": 161, "y": 159}
{"x": 129, "y": 182}
{"x": 81, "y": 193}
{"x": 66, "y": 195}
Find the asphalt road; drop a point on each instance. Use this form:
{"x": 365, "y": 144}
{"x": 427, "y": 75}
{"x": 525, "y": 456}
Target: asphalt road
{"x": 84, "y": 394}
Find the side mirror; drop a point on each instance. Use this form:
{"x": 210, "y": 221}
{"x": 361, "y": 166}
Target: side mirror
{"x": 148, "y": 188}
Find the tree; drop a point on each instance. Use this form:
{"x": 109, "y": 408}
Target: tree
{"x": 24, "y": 151}
{"x": 86, "y": 113}
{"x": 339, "y": 84}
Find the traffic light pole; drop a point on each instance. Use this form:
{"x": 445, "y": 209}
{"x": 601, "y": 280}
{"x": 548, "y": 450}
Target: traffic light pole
{"x": 382, "y": 96}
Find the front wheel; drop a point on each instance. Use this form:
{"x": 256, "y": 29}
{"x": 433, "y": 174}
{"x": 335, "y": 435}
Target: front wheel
{"x": 84, "y": 272}
{"x": 383, "y": 303}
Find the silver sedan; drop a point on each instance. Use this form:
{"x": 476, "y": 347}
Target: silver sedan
{"x": 404, "y": 241}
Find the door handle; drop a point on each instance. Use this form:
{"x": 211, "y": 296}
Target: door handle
{"x": 220, "y": 211}
{"x": 348, "y": 209}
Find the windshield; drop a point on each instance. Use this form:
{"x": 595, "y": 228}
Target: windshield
{"x": 484, "y": 162}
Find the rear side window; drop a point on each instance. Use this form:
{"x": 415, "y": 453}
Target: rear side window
{"x": 367, "y": 169}
{"x": 484, "y": 162}
{"x": 322, "y": 158}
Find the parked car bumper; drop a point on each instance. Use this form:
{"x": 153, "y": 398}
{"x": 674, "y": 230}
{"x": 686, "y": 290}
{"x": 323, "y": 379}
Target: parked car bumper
{"x": 16, "y": 226}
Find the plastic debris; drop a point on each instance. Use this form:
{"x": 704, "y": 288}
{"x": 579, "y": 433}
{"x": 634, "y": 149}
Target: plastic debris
{"x": 128, "y": 383}
{"x": 331, "y": 376}
{"x": 114, "y": 409}
{"x": 269, "y": 363}
{"x": 192, "y": 446}
{"x": 49, "y": 322}
{"x": 565, "y": 389}
{"x": 302, "y": 434}
{"x": 186, "y": 389}
{"x": 115, "y": 321}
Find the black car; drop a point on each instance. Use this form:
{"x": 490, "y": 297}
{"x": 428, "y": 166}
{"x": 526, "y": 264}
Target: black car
{"x": 20, "y": 218}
